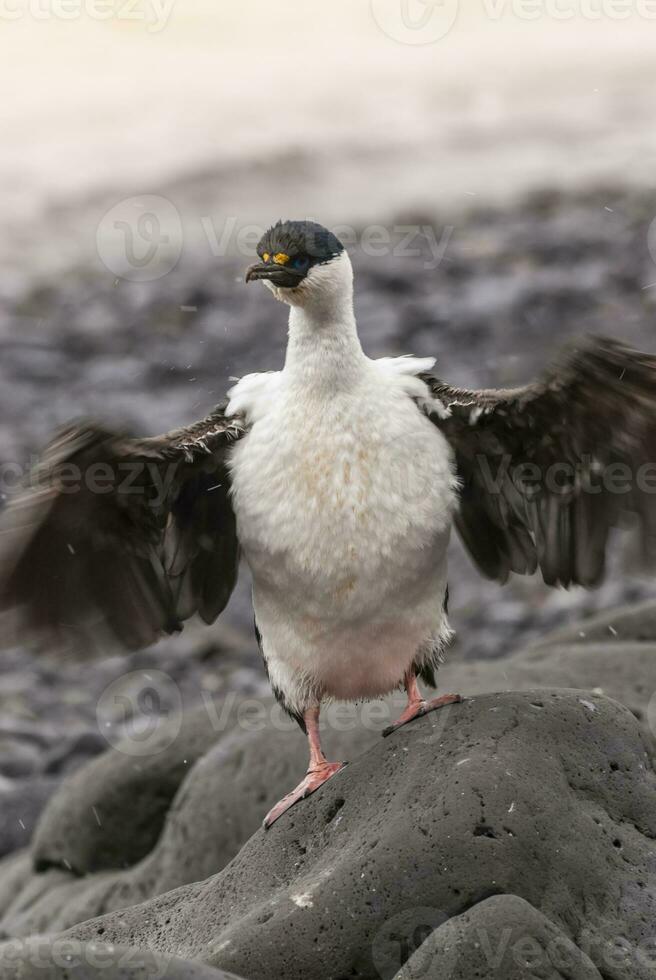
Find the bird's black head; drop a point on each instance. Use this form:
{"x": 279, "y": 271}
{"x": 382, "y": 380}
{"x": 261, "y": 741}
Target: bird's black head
{"x": 290, "y": 250}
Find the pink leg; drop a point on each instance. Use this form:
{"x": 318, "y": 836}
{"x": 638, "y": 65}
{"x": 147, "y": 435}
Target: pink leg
{"x": 417, "y": 706}
{"x": 319, "y": 770}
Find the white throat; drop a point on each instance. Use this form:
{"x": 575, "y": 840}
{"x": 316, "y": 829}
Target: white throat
{"x": 323, "y": 346}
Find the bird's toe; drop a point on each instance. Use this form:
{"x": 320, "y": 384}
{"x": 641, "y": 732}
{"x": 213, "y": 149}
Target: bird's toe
{"x": 420, "y": 708}
{"x": 314, "y": 778}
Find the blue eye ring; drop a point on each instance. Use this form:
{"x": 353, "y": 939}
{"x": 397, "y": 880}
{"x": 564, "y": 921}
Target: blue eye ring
{"x": 299, "y": 262}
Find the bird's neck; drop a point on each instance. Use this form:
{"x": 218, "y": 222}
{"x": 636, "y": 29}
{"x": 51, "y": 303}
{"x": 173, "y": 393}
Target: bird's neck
{"x": 323, "y": 347}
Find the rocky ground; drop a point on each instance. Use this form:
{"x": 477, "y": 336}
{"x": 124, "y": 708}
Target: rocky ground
{"x": 202, "y": 751}
{"x": 507, "y": 837}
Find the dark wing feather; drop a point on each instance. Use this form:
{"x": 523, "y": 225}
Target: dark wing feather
{"x": 548, "y": 469}
{"x": 129, "y": 536}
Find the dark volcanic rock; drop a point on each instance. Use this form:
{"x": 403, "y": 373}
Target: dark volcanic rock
{"x": 624, "y": 624}
{"x": 18, "y": 759}
{"x": 21, "y": 804}
{"x": 501, "y": 938}
{"x": 15, "y": 871}
{"x": 41, "y": 958}
{"x": 546, "y": 795}
{"x": 219, "y": 805}
{"x": 241, "y": 755}
{"x": 56, "y": 713}
{"x": 110, "y": 813}
{"x": 624, "y": 671}
{"x": 613, "y": 653}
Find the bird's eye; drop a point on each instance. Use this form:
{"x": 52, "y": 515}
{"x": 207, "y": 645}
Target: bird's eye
{"x": 299, "y": 262}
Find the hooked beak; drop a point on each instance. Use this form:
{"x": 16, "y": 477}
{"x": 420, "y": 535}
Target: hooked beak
{"x": 276, "y": 274}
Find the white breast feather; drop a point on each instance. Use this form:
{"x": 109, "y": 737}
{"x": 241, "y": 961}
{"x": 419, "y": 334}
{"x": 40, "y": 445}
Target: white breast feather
{"x": 344, "y": 505}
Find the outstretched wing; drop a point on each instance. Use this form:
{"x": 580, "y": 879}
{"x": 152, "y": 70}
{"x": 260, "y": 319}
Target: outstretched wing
{"x": 130, "y": 535}
{"x": 547, "y": 470}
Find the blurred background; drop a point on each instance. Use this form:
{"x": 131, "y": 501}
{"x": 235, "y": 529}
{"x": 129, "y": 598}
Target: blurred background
{"x": 490, "y": 165}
